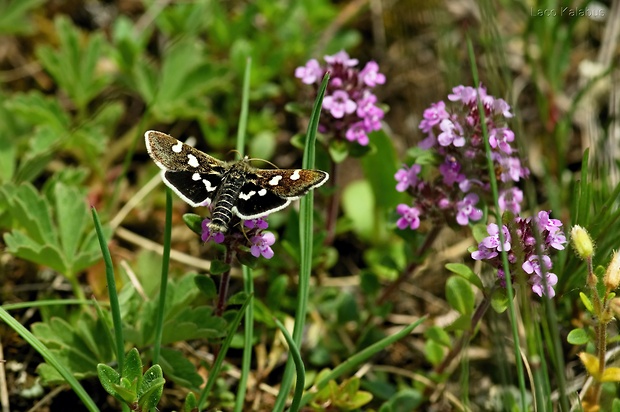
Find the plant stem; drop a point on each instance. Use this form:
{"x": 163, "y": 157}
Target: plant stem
{"x": 428, "y": 242}
{"x": 334, "y": 206}
{"x": 224, "y": 281}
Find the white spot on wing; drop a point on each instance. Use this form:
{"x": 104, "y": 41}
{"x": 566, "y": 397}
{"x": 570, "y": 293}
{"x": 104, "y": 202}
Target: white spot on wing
{"x": 210, "y": 188}
{"x": 177, "y": 147}
{"x": 196, "y": 176}
{"x": 275, "y": 180}
{"x": 247, "y": 196}
{"x": 296, "y": 175}
{"x": 262, "y": 192}
{"x": 193, "y": 162}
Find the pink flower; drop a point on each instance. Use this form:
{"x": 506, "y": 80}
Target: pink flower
{"x": 261, "y": 245}
{"x": 339, "y": 104}
{"x": 310, "y": 73}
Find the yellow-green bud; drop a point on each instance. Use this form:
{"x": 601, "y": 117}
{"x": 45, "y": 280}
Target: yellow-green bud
{"x": 582, "y": 243}
{"x": 612, "y": 275}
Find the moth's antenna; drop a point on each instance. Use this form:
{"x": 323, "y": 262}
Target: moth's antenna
{"x": 263, "y": 160}
{"x": 236, "y": 151}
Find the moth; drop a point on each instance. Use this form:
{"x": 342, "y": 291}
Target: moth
{"x": 229, "y": 188}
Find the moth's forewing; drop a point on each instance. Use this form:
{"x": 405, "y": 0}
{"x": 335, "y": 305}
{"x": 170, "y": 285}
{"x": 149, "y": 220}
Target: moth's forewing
{"x": 172, "y": 154}
{"x": 193, "y": 175}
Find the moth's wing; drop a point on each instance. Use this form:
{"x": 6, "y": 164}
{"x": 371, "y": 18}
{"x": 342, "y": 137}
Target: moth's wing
{"x": 193, "y": 175}
{"x": 172, "y": 154}
{"x": 197, "y": 189}
{"x": 255, "y": 201}
{"x": 290, "y": 183}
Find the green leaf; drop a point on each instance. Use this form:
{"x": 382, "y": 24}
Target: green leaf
{"x": 437, "y": 334}
{"x": 434, "y": 352}
{"x": 380, "y": 165}
{"x": 108, "y": 378}
{"x": 193, "y": 222}
{"x": 578, "y": 336}
{"x": 191, "y": 403}
{"x": 13, "y": 18}
{"x": 460, "y": 295}
{"x": 152, "y": 388}
{"x": 218, "y": 267}
{"x": 8, "y": 157}
{"x": 31, "y": 211}
{"x": 586, "y": 302}
{"x": 74, "y": 64}
{"x": 466, "y": 273}
{"x": 338, "y": 151}
{"x": 499, "y": 300}
{"x": 347, "y": 309}
{"x": 72, "y": 217}
{"x": 358, "y": 203}
{"x": 23, "y": 247}
{"x": 179, "y": 369}
{"x": 132, "y": 369}
{"x": 206, "y": 285}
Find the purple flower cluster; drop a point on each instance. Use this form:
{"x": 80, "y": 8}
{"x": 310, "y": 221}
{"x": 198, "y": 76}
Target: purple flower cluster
{"x": 454, "y": 133}
{"x": 535, "y": 265}
{"x": 260, "y": 241}
{"x": 350, "y": 108}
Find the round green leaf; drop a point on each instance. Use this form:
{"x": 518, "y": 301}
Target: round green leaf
{"x": 577, "y": 336}
{"x": 460, "y": 295}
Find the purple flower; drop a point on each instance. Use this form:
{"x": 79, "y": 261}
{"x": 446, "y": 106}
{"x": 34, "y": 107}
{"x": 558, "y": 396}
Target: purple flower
{"x": 501, "y": 138}
{"x": 357, "y": 132}
{"x": 450, "y": 169}
{"x": 466, "y": 94}
{"x": 370, "y": 74}
{"x": 410, "y": 217}
{"x": 510, "y": 200}
{"x": 500, "y": 106}
{"x": 407, "y": 177}
{"x": 467, "y": 211}
{"x": 342, "y": 57}
{"x": 539, "y": 288}
{"x": 351, "y": 110}
{"x": 511, "y": 168}
{"x": 310, "y": 73}
{"x": 206, "y": 235}
{"x": 261, "y": 245}
{"x": 556, "y": 238}
{"x": 433, "y": 115}
{"x": 450, "y": 134}
{"x": 259, "y": 223}
{"x": 493, "y": 240}
{"x": 339, "y": 104}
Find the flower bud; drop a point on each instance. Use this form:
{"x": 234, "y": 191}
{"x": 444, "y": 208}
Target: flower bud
{"x": 582, "y": 242}
{"x": 612, "y": 275}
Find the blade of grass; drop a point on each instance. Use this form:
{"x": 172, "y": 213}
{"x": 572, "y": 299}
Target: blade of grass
{"x": 49, "y": 358}
{"x": 359, "y": 358}
{"x": 217, "y": 364}
{"x": 114, "y": 305}
{"x": 305, "y": 236}
{"x": 50, "y": 302}
{"x": 299, "y": 367}
{"x": 163, "y": 286}
{"x": 248, "y": 282}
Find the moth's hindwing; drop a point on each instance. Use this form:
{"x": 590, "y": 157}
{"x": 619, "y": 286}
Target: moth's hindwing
{"x": 290, "y": 183}
{"x": 193, "y": 175}
{"x": 255, "y": 201}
